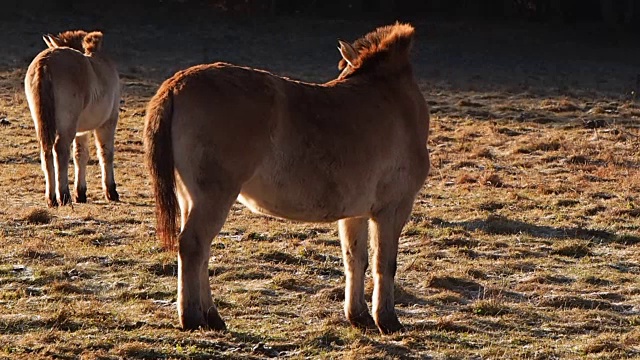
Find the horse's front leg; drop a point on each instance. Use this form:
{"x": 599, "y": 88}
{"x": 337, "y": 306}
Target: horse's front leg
{"x": 105, "y": 137}
{"x": 386, "y": 226}
{"x": 353, "y": 238}
{"x": 80, "y": 159}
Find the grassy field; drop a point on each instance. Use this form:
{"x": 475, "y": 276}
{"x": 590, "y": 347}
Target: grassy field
{"x": 523, "y": 244}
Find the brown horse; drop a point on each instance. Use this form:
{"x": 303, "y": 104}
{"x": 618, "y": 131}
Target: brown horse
{"x": 72, "y": 88}
{"x": 352, "y": 150}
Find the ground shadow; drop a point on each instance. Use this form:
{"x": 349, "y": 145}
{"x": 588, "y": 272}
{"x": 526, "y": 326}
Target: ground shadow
{"x": 500, "y": 225}
{"x": 403, "y": 297}
{"x": 23, "y": 158}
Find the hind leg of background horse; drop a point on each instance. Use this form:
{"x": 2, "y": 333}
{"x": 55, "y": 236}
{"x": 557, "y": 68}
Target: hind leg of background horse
{"x": 105, "y": 137}
{"x": 61, "y": 155}
{"x": 353, "y": 239}
{"x": 386, "y": 226}
{"x": 49, "y": 170}
{"x": 195, "y": 304}
{"x": 80, "y": 159}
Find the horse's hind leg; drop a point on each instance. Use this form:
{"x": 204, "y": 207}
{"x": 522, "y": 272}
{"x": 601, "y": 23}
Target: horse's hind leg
{"x": 80, "y": 159}
{"x": 61, "y": 155}
{"x": 48, "y": 168}
{"x": 105, "y": 137}
{"x": 386, "y": 226}
{"x": 353, "y": 238}
{"x": 205, "y": 219}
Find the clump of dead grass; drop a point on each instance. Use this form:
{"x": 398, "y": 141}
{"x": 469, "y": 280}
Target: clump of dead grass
{"x": 491, "y": 206}
{"x": 38, "y": 216}
{"x": 290, "y": 282}
{"x": 448, "y": 298}
{"x": 280, "y": 257}
{"x": 483, "y": 152}
{"x": 544, "y": 145}
{"x": 567, "y": 202}
{"x": 449, "y": 323}
{"x": 612, "y": 344}
{"x": 66, "y": 287}
{"x": 455, "y": 284}
{"x": 489, "y": 307}
{"x": 465, "y": 164}
{"x": 572, "y": 248}
{"x": 491, "y": 179}
{"x": 559, "y": 106}
{"x": 469, "y": 103}
{"x": 634, "y": 213}
{"x": 496, "y": 224}
{"x": 600, "y": 346}
{"x": 466, "y": 178}
{"x": 593, "y": 210}
{"x": 597, "y": 281}
{"x": 577, "y": 302}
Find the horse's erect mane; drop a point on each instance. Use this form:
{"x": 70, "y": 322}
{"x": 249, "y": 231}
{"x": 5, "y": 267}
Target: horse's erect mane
{"x": 386, "y": 47}
{"x": 80, "y": 40}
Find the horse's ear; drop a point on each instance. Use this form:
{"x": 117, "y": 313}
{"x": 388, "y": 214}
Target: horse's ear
{"x": 49, "y": 40}
{"x": 92, "y": 42}
{"x": 54, "y": 41}
{"x": 349, "y": 54}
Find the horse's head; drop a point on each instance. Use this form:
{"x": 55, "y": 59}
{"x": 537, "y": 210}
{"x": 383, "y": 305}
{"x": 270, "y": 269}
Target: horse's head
{"x": 87, "y": 43}
{"x": 384, "y": 50}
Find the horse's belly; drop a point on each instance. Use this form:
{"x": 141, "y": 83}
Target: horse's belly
{"x": 309, "y": 202}
{"x": 94, "y": 116}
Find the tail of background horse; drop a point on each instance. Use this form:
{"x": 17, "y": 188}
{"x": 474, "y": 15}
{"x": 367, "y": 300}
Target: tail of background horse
{"x": 159, "y": 159}
{"x": 44, "y": 107}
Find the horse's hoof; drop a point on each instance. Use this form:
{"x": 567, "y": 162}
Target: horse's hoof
{"x": 52, "y": 202}
{"x": 192, "y": 322}
{"x": 65, "y": 198}
{"x": 81, "y": 196}
{"x": 362, "y": 321}
{"x": 112, "y": 194}
{"x": 389, "y": 324}
{"x": 214, "y": 320}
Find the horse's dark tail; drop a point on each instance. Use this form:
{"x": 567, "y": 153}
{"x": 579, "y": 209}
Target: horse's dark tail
{"x": 159, "y": 158}
{"x": 44, "y": 111}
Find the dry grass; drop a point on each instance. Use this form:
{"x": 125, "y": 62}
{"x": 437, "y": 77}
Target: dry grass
{"x": 522, "y": 245}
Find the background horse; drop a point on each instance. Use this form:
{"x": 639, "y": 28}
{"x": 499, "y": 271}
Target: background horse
{"x": 352, "y": 150}
{"x": 73, "y": 88}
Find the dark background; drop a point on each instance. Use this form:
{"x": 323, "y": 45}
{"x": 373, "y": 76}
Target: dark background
{"x": 619, "y": 14}
{"x": 515, "y": 46}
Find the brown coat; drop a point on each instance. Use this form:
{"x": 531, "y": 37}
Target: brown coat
{"x": 353, "y": 148}
{"x": 72, "y": 88}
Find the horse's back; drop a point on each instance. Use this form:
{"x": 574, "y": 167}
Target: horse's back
{"x": 339, "y": 152}
{"x": 67, "y": 68}
{"x": 84, "y": 92}
{"x": 301, "y": 151}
